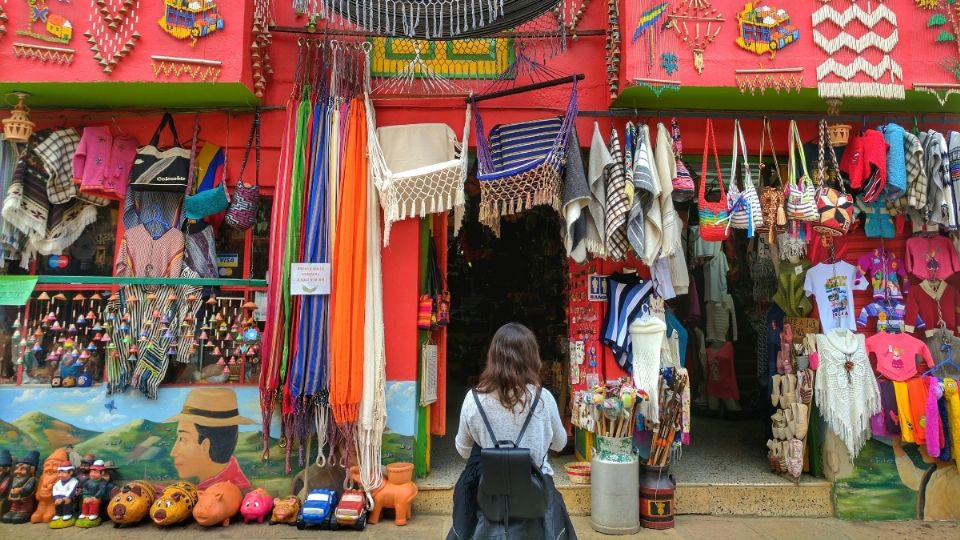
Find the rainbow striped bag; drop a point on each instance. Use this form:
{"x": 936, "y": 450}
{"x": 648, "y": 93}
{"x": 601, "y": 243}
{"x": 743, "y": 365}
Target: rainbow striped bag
{"x": 714, "y": 215}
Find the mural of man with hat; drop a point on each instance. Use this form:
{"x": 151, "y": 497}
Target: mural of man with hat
{"x": 207, "y": 433}
{"x": 6, "y": 477}
{"x": 23, "y": 489}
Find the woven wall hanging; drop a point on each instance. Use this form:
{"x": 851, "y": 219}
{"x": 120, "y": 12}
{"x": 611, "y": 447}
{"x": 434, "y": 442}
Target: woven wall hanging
{"x": 112, "y": 33}
{"x": 198, "y": 69}
{"x": 43, "y": 53}
{"x": 646, "y": 25}
{"x": 760, "y": 80}
{"x": 45, "y": 24}
{"x": 859, "y": 53}
{"x": 940, "y": 91}
{"x": 190, "y": 19}
{"x": 698, "y": 24}
{"x": 763, "y": 29}
{"x": 944, "y": 19}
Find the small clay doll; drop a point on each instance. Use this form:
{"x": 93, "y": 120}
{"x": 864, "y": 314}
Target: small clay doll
{"x": 23, "y": 489}
{"x": 6, "y": 477}
{"x": 109, "y": 475}
{"x": 64, "y": 497}
{"x": 84, "y": 473}
{"x": 93, "y": 492}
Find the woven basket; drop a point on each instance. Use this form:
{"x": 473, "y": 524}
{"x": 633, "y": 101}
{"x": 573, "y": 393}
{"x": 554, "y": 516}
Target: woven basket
{"x": 839, "y": 134}
{"x": 578, "y": 471}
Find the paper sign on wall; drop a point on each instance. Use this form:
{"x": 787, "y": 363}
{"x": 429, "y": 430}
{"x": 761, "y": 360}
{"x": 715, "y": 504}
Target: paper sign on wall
{"x": 597, "y": 291}
{"x": 309, "y": 278}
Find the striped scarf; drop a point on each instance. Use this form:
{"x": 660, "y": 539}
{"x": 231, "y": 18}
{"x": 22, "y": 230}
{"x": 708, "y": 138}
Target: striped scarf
{"x": 11, "y": 239}
{"x": 618, "y": 202}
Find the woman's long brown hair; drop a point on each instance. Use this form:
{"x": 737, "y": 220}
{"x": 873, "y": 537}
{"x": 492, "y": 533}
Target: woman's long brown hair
{"x": 513, "y": 362}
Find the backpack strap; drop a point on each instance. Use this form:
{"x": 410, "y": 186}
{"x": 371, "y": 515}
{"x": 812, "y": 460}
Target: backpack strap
{"x": 523, "y": 429}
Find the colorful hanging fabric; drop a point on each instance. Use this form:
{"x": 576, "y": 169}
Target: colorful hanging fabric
{"x": 272, "y": 372}
{"x": 349, "y": 262}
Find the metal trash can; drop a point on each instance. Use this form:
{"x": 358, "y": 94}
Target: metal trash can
{"x": 615, "y": 496}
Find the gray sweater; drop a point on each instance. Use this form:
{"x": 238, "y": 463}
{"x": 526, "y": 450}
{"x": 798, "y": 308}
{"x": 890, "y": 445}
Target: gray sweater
{"x": 544, "y": 433}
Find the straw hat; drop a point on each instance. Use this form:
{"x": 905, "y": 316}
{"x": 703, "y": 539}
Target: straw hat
{"x": 212, "y": 407}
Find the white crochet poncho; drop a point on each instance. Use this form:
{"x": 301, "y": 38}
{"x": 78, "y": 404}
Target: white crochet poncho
{"x": 846, "y": 398}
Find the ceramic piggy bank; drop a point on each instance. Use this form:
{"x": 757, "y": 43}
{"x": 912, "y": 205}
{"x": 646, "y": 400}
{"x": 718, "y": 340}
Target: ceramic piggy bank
{"x": 217, "y": 504}
{"x": 131, "y": 504}
{"x": 256, "y": 506}
{"x": 285, "y": 511}
{"x": 175, "y": 504}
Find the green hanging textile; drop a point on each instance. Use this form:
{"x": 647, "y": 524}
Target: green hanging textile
{"x": 292, "y": 249}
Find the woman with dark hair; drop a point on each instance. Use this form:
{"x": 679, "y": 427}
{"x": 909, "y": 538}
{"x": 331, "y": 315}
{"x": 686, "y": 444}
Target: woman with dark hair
{"x": 509, "y": 386}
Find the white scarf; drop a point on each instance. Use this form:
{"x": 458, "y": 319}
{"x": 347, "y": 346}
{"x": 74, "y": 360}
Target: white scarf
{"x": 667, "y": 170}
{"x": 646, "y": 338}
{"x": 846, "y": 400}
{"x": 599, "y": 159}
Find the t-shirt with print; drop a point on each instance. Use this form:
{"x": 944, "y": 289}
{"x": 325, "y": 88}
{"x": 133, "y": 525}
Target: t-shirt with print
{"x": 897, "y": 354}
{"x": 833, "y": 286}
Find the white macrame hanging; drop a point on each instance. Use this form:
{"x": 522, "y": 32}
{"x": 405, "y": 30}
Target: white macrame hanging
{"x": 836, "y": 73}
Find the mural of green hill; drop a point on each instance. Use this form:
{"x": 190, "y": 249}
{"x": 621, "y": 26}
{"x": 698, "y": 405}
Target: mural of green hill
{"x": 16, "y": 440}
{"x": 50, "y": 433}
{"x": 140, "y": 448}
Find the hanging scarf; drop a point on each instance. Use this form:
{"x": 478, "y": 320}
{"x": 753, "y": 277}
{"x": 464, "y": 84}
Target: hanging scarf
{"x": 597, "y": 164}
{"x": 846, "y": 390}
{"x": 11, "y": 239}
{"x": 272, "y": 372}
{"x": 650, "y": 198}
{"x": 618, "y": 201}
{"x": 348, "y": 299}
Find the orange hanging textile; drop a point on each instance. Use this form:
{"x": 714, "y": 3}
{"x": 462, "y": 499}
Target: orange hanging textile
{"x": 348, "y": 291}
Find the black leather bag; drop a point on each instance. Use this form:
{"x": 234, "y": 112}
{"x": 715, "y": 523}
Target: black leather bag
{"x": 512, "y": 486}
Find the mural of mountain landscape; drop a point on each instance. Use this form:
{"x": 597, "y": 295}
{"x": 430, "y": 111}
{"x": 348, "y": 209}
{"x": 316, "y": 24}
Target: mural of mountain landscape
{"x": 875, "y": 491}
{"x": 133, "y": 432}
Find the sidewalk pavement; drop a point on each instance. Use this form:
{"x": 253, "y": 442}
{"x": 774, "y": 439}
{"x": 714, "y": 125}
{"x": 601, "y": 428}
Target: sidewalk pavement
{"x": 430, "y": 527}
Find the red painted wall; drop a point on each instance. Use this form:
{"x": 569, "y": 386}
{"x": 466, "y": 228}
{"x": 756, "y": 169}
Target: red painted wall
{"x": 917, "y": 52}
{"x": 230, "y": 45}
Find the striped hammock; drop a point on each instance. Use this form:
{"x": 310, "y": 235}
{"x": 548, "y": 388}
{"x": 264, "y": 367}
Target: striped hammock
{"x": 520, "y": 165}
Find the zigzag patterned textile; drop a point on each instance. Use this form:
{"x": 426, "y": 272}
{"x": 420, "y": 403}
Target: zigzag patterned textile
{"x": 859, "y": 40}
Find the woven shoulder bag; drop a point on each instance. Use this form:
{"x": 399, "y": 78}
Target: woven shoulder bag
{"x": 800, "y": 194}
{"x": 683, "y": 188}
{"x": 771, "y": 196}
{"x": 714, "y": 215}
{"x": 242, "y": 212}
{"x": 835, "y": 207}
{"x": 744, "y": 205}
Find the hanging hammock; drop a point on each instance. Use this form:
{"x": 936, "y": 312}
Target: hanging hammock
{"x": 425, "y": 189}
{"x": 520, "y": 165}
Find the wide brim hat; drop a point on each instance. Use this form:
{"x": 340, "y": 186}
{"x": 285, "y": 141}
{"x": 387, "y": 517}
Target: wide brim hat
{"x": 109, "y": 466}
{"x": 211, "y": 407}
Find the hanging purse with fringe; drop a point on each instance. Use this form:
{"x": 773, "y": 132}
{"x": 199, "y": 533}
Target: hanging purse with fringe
{"x": 771, "y": 196}
{"x": 714, "y": 215}
{"x": 800, "y": 194}
{"x": 745, "y": 210}
{"x": 835, "y": 207}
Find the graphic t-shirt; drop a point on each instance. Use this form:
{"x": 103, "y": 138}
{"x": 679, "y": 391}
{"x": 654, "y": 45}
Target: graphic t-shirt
{"x": 897, "y": 354}
{"x": 833, "y": 285}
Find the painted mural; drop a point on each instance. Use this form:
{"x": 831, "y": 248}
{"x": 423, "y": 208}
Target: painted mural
{"x": 201, "y": 434}
{"x": 889, "y": 477}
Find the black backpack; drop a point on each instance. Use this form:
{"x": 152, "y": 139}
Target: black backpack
{"x": 512, "y": 486}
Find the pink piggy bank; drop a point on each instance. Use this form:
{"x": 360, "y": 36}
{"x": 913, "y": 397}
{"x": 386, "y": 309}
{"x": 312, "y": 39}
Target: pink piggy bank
{"x": 256, "y": 506}
{"x": 217, "y": 504}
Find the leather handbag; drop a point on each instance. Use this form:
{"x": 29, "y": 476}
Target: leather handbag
{"x": 161, "y": 170}
{"x": 242, "y": 212}
{"x": 800, "y": 194}
{"x": 744, "y": 205}
{"x": 835, "y": 207}
{"x": 714, "y": 215}
{"x": 683, "y": 186}
{"x": 771, "y": 196}
{"x": 512, "y": 486}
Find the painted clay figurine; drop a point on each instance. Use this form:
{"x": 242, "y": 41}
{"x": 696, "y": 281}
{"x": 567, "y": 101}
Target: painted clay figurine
{"x": 109, "y": 475}
{"x": 6, "y": 478}
{"x": 94, "y": 491}
{"x": 217, "y": 504}
{"x": 131, "y": 504}
{"x": 397, "y": 492}
{"x": 285, "y": 510}
{"x": 23, "y": 489}
{"x": 45, "y": 508}
{"x": 256, "y": 506}
{"x": 65, "y": 491}
{"x": 175, "y": 504}
{"x": 83, "y": 472}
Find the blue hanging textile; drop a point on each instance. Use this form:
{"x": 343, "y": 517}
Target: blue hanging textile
{"x": 626, "y": 296}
